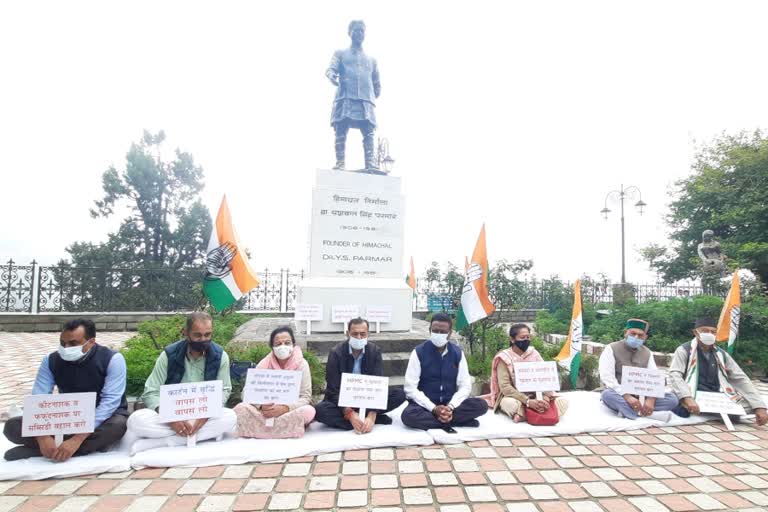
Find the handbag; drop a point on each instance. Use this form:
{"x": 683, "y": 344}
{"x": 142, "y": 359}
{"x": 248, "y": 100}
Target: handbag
{"x": 547, "y": 418}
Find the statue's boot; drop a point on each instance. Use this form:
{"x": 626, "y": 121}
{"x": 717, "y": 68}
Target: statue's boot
{"x": 340, "y": 147}
{"x": 370, "y": 158}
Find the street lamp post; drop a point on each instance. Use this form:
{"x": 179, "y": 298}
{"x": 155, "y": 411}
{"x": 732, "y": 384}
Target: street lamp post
{"x": 622, "y": 193}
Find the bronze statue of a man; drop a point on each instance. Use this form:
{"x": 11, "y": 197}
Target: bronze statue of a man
{"x": 357, "y": 77}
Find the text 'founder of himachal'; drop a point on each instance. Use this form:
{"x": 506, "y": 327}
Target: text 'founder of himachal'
{"x": 356, "y": 76}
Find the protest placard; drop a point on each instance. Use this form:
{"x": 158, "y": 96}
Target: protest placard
{"x": 642, "y": 382}
{"x": 378, "y": 315}
{"x": 343, "y": 313}
{"x": 308, "y": 313}
{"x": 363, "y": 391}
{"x": 271, "y": 386}
{"x": 718, "y": 403}
{"x": 190, "y": 401}
{"x": 538, "y": 376}
{"x": 59, "y": 414}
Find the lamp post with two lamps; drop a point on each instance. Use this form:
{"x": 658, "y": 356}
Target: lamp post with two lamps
{"x": 629, "y": 193}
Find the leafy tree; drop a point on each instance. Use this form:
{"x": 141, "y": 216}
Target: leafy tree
{"x": 168, "y": 224}
{"x": 725, "y": 193}
{"x": 156, "y": 255}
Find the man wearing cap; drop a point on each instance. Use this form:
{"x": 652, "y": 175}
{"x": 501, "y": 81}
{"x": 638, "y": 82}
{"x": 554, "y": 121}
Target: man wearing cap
{"x": 631, "y": 351}
{"x": 699, "y": 365}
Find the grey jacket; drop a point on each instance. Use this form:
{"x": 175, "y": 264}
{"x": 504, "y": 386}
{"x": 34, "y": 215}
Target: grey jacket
{"x": 735, "y": 375}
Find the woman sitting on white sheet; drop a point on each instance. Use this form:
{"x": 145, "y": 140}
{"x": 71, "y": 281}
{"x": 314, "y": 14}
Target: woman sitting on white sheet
{"x": 504, "y": 395}
{"x": 288, "y": 420}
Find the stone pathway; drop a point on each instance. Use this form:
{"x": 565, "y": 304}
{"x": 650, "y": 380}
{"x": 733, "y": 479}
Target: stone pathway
{"x": 692, "y": 468}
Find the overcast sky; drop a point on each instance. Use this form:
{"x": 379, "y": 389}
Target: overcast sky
{"x": 519, "y": 115}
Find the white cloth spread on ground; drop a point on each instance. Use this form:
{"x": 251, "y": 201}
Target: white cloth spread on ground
{"x": 586, "y": 414}
{"x": 38, "y": 468}
{"x": 317, "y": 440}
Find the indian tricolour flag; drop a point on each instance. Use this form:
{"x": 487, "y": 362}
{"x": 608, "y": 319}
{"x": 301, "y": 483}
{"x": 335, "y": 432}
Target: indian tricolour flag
{"x": 728, "y": 325}
{"x": 570, "y": 355}
{"x": 410, "y": 279}
{"x": 475, "y": 302}
{"x": 228, "y": 274}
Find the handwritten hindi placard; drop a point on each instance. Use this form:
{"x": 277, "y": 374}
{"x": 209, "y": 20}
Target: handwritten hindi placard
{"x": 190, "y": 401}
{"x": 363, "y": 391}
{"x": 308, "y": 312}
{"x": 642, "y": 382}
{"x": 718, "y": 403}
{"x": 56, "y": 415}
{"x": 272, "y": 386}
{"x": 343, "y": 313}
{"x": 538, "y": 376}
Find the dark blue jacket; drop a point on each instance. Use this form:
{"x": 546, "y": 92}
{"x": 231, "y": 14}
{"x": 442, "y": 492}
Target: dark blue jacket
{"x": 438, "y": 373}
{"x": 86, "y": 375}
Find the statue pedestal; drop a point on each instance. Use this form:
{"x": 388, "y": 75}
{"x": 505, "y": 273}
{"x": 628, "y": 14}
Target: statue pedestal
{"x": 356, "y": 249}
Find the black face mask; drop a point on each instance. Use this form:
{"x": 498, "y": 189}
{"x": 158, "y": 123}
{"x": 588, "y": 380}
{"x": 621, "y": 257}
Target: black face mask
{"x": 522, "y": 344}
{"x": 199, "y": 346}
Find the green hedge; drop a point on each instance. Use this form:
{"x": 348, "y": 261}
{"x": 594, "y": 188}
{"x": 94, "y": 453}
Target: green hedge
{"x": 671, "y": 325}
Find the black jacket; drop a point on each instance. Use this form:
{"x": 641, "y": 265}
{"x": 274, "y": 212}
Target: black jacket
{"x": 341, "y": 361}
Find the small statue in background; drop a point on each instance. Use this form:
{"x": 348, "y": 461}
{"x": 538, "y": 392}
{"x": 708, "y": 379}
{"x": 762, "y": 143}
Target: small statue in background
{"x": 712, "y": 262}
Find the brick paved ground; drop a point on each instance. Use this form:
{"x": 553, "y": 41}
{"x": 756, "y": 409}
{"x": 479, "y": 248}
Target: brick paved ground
{"x": 693, "y": 468}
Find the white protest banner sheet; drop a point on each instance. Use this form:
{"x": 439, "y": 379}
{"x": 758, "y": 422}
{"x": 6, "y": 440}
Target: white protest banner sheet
{"x": 363, "y": 392}
{"x": 378, "y": 315}
{"x": 538, "y": 376}
{"x": 190, "y": 401}
{"x": 642, "y": 382}
{"x": 343, "y": 313}
{"x": 271, "y": 386}
{"x": 56, "y": 415}
{"x": 718, "y": 403}
{"x": 308, "y": 313}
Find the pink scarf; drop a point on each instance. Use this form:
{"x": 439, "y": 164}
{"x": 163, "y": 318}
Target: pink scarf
{"x": 271, "y": 362}
{"x": 508, "y": 357}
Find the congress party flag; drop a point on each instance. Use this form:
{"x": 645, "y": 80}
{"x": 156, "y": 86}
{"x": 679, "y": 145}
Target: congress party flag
{"x": 410, "y": 279}
{"x": 475, "y": 302}
{"x": 728, "y": 325}
{"x": 228, "y": 275}
{"x": 570, "y": 355}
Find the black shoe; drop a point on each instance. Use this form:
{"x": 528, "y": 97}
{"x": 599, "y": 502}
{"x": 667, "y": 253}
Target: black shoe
{"x": 470, "y": 423}
{"x": 449, "y": 429}
{"x": 383, "y": 419}
{"x": 22, "y": 452}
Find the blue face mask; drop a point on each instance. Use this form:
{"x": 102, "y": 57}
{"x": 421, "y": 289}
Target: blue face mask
{"x": 634, "y": 342}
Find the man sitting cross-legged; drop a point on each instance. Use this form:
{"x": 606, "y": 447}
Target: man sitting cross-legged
{"x": 196, "y": 358}
{"x": 357, "y": 355}
{"x": 438, "y": 385}
{"x": 80, "y": 365}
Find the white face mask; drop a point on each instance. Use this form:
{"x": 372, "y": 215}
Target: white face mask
{"x": 439, "y": 339}
{"x": 707, "y": 338}
{"x": 357, "y": 344}
{"x": 71, "y": 354}
{"x": 283, "y": 352}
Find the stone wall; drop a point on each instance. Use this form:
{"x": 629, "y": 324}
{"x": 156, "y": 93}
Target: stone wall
{"x": 663, "y": 360}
